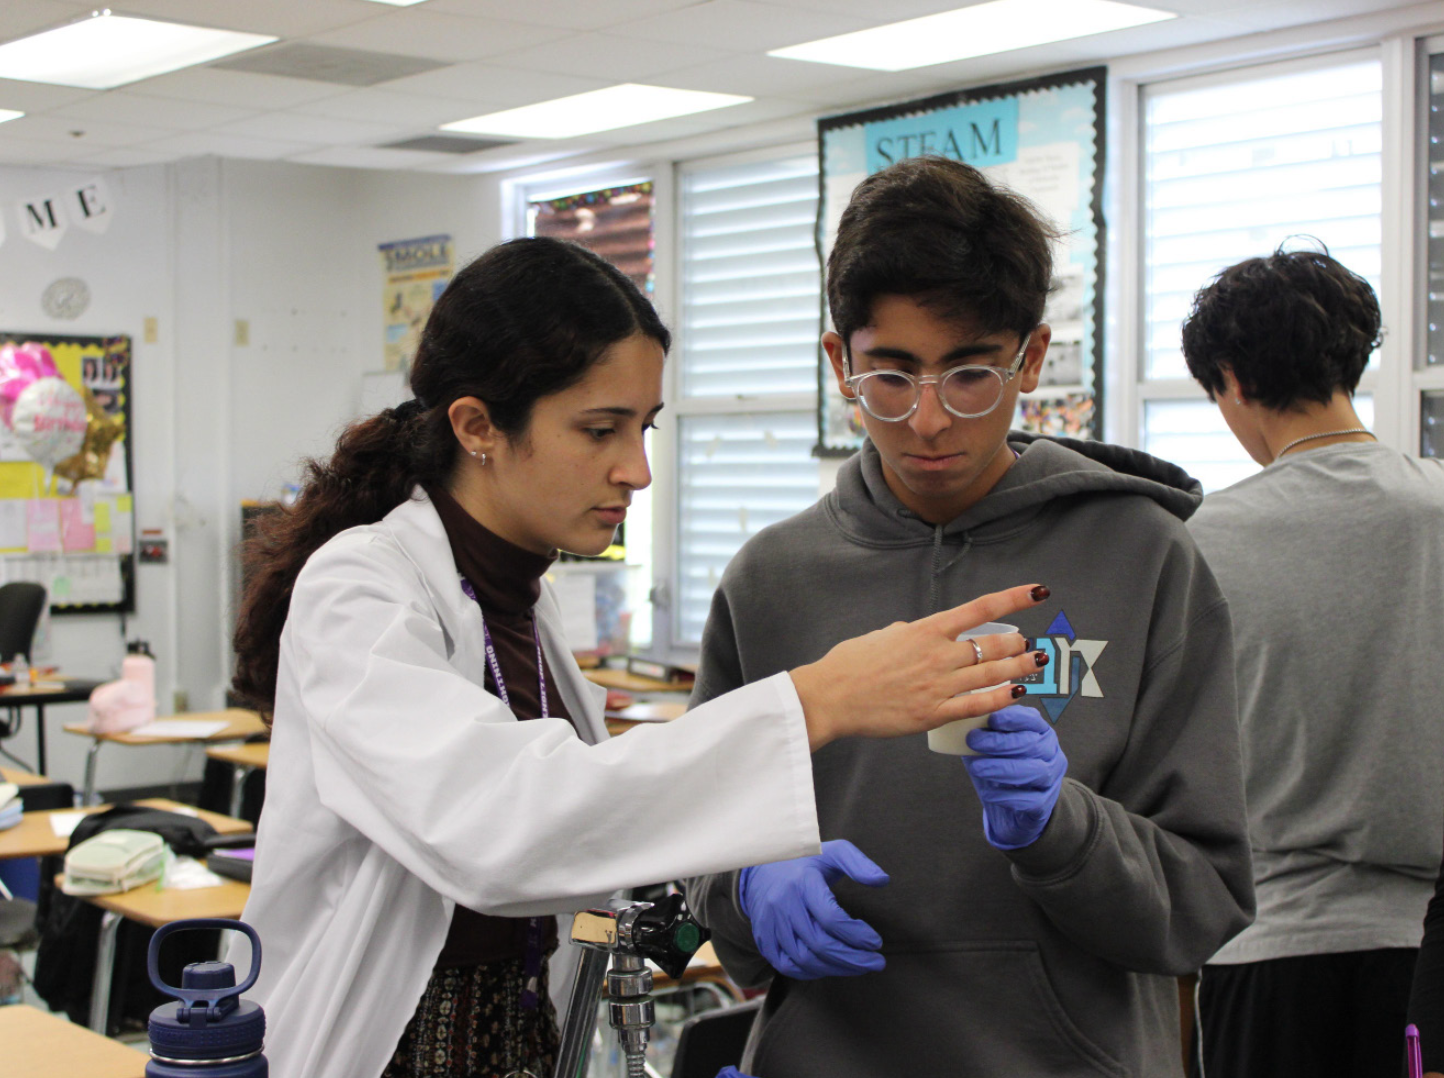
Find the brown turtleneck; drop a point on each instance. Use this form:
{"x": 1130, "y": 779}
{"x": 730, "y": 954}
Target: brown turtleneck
{"x": 507, "y": 582}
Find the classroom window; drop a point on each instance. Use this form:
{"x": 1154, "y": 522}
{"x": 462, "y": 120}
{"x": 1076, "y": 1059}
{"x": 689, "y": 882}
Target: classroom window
{"x": 1233, "y": 166}
{"x": 748, "y": 360}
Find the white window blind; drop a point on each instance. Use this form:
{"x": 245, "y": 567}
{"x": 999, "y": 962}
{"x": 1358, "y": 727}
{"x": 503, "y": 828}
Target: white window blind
{"x": 1192, "y": 433}
{"x": 1234, "y": 168}
{"x": 1235, "y": 165}
{"x": 750, "y": 280}
{"x": 739, "y": 473}
{"x": 748, "y": 347}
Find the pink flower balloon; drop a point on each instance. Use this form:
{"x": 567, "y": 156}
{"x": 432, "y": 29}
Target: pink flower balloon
{"x": 20, "y": 366}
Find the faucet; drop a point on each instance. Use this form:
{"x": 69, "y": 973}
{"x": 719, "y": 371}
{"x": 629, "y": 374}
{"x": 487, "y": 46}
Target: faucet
{"x": 627, "y": 934}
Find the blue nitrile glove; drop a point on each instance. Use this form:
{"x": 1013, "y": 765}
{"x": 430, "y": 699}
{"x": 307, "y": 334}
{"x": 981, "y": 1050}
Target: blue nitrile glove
{"x": 796, "y": 921}
{"x": 1018, "y": 776}
{"x": 731, "y": 1072}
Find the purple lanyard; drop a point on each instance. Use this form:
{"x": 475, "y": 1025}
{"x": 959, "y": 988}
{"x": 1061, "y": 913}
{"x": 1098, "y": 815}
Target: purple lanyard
{"x": 495, "y": 666}
{"x": 532, "y": 962}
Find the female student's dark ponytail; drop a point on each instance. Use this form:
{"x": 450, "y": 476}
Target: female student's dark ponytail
{"x": 525, "y": 320}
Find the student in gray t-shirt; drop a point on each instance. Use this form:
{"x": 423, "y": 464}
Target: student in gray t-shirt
{"x": 1332, "y": 559}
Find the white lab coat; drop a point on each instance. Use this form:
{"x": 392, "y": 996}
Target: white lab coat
{"x": 398, "y": 787}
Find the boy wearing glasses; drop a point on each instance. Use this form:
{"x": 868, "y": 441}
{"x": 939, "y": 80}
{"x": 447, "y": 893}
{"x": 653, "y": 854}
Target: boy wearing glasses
{"x": 1030, "y": 905}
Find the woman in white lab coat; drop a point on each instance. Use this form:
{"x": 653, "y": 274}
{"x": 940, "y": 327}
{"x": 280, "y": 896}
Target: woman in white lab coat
{"x": 418, "y": 836}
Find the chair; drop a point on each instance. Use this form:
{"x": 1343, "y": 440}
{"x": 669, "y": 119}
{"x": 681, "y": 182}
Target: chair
{"x": 713, "y": 1040}
{"x": 21, "y": 604}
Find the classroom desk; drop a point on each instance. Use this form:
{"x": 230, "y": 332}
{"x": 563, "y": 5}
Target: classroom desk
{"x": 623, "y": 719}
{"x": 629, "y": 682}
{"x": 239, "y": 724}
{"x": 40, "y": 1045}
{"x": 63, "y": 691}
{"x": 34, "y": 837}
{"x": 244, "y": 758}
{"x": 21, "y": 778}
{"x": 154, "y": 909}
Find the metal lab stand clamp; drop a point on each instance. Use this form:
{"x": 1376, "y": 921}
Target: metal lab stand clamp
{"x": 629, "y": 933}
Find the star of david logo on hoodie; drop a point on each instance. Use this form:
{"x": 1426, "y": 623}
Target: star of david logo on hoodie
{"x": 1070, "y": 672}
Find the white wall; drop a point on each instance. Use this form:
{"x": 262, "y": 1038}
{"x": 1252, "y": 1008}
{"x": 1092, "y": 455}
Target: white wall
{"x": 290, "y": 250}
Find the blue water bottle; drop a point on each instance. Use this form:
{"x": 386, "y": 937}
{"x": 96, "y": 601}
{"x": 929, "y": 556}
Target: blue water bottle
{"x": 211, "y": 1032}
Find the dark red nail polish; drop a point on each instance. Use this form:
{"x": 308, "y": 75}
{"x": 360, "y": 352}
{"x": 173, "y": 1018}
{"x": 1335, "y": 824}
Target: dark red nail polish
{"x": 1029, "y": 644}
{"x": 1041, "y": 592}
{"x": 1018, "y": 690}
{"x": 1041, "y": 658}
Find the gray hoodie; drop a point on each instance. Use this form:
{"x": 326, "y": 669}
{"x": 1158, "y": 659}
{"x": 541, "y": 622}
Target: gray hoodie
{"x": 1057, "y": 959}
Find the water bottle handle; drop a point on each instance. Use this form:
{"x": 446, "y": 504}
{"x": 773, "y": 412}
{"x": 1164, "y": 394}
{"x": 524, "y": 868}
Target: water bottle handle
{"x": 193, "y": 995}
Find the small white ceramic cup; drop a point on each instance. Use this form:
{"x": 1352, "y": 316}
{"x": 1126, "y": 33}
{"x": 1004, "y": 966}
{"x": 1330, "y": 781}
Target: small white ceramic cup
{"x": 952, "y": 738}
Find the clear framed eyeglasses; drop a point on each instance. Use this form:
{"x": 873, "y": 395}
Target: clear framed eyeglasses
{"x": 969, "y": 391}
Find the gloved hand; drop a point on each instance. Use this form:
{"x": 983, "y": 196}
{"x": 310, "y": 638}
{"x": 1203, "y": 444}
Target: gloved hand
{"x": 1018, "y": 776}
{"x": 731, "y": 1072}
{"x": 796, "y": 921}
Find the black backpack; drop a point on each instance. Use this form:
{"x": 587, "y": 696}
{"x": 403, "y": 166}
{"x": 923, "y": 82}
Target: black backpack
{"x": 70, "y": 928}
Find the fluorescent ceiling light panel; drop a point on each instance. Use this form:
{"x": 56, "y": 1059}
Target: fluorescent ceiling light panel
{"x": 9, "y": 114}
{"x": 399, "y": 3}
{"x": 106, "y": 50}
{"x": 595, "y": 110}
{"x": 980, "y": 30}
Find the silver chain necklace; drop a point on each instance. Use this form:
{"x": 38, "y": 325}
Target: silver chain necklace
{"x": 1325, "y": 434}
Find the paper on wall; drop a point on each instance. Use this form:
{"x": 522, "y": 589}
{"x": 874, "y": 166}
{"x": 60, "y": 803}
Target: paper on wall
{"x": 77, "y": 536}
{"x": 42, "y": 518}
{"x": 13, "y": 531}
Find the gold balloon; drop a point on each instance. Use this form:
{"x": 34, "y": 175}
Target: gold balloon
{"x": 102, "y": 431}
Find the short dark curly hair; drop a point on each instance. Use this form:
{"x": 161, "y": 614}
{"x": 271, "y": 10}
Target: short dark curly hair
{"x": 1294, "y": 327}
{"x": 937, "y": 230}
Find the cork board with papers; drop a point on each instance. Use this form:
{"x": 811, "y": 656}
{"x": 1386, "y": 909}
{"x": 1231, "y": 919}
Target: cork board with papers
{"x": 67, "y": 511}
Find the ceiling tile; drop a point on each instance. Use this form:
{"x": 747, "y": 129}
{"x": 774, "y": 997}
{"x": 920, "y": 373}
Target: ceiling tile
{"x": 281, "y": 18}
{"x": 742, "y": 25}
{"x": 610, "y": 57}
{"x": 438, "y": 36}
{"x": 93, "y": 134}
{"x": 876, "y": 14}
{"x": 123, "y": 107}
{"x": 37, "y": 97}
{"x": 322, "y": 130}
{"x": 366, "y": 157}
{"x": 200, "y": 143}
{"x": 385, "y": 107}
{"x": 16, "y": 151}
{"x": 766, "y": 76}
{"x": 493, "y": 84}
{"x": 31, "y": 16}
{"x": 237, "y": 88}
{"x": 567, "y": 14}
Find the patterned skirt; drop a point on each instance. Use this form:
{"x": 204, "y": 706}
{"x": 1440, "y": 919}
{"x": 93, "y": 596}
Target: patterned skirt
{"x": 470, "y": 1023}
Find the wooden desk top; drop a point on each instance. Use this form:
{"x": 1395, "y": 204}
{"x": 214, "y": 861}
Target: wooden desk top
{"x": 623, "y": 719}
{"x": 239, "y": 724}
{"x": 48, "y": 691}
{"x": 251, "y": 754}
{"x": 21, "y": 778}
{"x": 40, "y": 1045}
{"x": 628, "y": 682}
{"x": 34, "y": 837}
{"x": 155, "y": 908}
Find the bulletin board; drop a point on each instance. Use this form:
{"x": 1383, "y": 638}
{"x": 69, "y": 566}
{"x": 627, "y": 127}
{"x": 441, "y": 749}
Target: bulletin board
{"x": 1045, "y": 139}
{"x": 76, "y": 538}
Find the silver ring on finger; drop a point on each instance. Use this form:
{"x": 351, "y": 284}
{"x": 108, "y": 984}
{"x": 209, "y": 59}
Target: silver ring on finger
{"x": 977, "y": 653}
